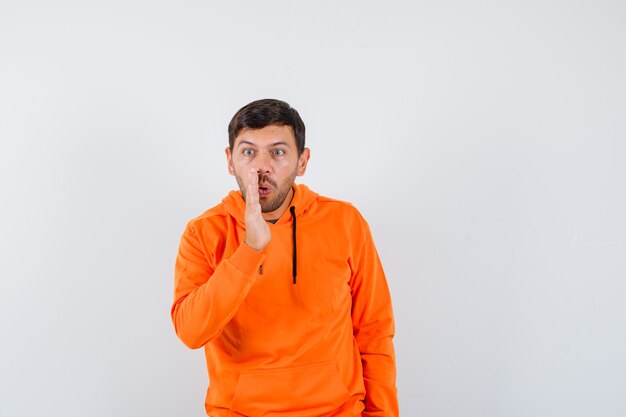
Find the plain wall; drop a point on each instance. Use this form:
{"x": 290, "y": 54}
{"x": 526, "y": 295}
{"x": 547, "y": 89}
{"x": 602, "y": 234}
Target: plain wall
{"x": 484, "y": 142}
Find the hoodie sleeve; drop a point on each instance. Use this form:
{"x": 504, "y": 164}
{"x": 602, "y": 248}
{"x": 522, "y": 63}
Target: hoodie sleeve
{"x": 206, "y": 299}
{"x": 373, "y": 324}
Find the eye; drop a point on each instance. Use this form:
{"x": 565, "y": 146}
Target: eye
{"x": 278, "y": 152}
{"x": 248, "y": 152}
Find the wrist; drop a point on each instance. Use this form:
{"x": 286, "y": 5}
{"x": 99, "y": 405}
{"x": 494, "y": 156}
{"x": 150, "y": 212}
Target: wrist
{"x": 252, "y": 246}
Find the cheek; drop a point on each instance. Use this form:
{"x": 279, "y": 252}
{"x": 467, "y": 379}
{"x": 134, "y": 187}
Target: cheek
{"x": 240, "y": 163}
{"x": 285, "y": 165}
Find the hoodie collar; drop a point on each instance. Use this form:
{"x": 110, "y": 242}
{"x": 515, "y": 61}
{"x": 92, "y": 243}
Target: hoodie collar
{"x": 302, "y": 199}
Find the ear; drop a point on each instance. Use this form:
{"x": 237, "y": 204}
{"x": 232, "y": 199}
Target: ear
{"x": 303, "y": 161}
{"x": 229, "y": 159}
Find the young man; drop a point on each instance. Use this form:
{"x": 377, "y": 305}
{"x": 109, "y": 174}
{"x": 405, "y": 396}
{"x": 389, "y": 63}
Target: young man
{"x": 283, "y": 288}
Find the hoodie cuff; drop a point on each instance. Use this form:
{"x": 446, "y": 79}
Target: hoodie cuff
{"x": 247, "y": 259}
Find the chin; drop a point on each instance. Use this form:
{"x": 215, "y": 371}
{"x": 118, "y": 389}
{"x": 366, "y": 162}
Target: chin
{"x": 268, "y": 208}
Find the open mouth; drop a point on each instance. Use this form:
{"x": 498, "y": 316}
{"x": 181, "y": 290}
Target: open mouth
{"x": 263, "y": 191}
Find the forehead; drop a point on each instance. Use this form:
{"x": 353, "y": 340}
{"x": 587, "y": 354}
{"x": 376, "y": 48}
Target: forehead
{"x": 267, "y": 136}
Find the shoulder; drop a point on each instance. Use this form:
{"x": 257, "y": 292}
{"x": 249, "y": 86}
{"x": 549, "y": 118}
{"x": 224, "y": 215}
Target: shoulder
{"x": 211, "y": 219}
{"x": 340, "y": 208}
{"x": 336, "y": 204}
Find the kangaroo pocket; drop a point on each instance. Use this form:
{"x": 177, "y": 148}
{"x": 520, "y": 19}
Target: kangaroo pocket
{"x": 304, "y": 391}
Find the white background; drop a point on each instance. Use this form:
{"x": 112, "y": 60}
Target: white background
{"x": 484, "y": 142}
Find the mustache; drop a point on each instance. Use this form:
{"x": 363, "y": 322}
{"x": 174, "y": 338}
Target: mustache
{"x": 263, "y": 179}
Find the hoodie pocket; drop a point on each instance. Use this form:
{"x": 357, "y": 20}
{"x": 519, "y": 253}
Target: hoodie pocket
{"x": 304, "y": 391}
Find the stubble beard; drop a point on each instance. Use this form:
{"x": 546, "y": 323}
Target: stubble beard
{"x": 269, "y": 205}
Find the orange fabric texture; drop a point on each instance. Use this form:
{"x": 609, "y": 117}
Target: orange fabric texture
{"x": 274, "y": 348}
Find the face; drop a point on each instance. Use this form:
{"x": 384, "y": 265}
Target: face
{"x": 272, "y": 152}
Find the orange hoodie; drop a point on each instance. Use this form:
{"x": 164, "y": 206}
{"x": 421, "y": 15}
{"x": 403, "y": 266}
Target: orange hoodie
{"x": 302, "y": 329}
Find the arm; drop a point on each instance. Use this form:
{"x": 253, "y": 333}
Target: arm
{"x": 373, "y": 323}
{"x": 205, "y": 300}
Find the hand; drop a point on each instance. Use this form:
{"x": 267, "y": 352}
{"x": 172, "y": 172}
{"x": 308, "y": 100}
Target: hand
{"x": 258, "y": 233}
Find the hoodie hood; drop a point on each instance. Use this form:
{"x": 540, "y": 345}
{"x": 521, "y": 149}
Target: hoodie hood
{"x": 302, "y": 199}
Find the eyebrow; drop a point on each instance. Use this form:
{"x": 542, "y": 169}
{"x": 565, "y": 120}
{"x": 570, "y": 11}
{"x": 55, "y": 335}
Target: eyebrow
{"x": 279, "y": 143}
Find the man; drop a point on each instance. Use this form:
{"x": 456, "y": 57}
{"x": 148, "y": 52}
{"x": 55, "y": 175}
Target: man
{"x": 283, "y": 288}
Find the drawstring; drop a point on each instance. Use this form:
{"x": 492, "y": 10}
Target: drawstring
{"x": 294, "y": 266}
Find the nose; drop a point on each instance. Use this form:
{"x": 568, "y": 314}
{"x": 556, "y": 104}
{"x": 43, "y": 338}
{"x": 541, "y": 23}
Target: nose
{"x": 263, "y": 164}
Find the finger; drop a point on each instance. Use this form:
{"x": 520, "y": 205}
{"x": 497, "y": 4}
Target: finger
{"x": 252, "y": 189}
{"x": 253, "y": 175}
{"x": 252, "y": 197}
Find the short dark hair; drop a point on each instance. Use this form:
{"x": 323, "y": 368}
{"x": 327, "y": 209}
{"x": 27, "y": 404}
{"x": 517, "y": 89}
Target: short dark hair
{"x": 265, "y": 112}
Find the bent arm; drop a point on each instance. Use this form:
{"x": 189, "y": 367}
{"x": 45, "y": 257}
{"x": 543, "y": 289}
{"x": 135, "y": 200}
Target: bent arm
{"x": 205, "y": 300}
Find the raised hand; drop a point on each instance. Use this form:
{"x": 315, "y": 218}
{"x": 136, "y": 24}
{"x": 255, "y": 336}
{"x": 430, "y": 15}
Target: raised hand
{"x": 258, "y": 233}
